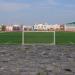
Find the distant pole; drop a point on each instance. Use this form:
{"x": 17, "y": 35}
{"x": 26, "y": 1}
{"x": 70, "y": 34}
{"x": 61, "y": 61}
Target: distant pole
{"x": 22, "y": 35}
{"x": 54, "y": 38}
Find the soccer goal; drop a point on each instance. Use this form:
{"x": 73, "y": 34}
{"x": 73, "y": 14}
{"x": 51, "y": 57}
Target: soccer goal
{"x": 38, "y": 37}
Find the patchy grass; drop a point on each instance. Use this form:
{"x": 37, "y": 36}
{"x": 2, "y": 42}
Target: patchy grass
{"x": 37, "y": 37}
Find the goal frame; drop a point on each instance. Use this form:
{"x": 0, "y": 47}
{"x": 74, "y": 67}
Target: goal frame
{"x": 53, "y": 43}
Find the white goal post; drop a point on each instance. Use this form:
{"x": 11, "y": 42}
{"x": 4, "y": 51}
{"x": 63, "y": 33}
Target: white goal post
{"x": 22, "y": 35}
{"x": 54, "y": 40}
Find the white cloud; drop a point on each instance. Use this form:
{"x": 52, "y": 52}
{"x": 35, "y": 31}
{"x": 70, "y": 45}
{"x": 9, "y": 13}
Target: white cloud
{"x": 9, "y": 7}
{"x": 70, "y": 5}
{"x": 47, "y": 4}
{"x": 53, "y": 2}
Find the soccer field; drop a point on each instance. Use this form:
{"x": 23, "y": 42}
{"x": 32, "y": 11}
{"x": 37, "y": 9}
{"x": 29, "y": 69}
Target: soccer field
{"x": 65, "y": 37}
{"x": 37, "y": 37}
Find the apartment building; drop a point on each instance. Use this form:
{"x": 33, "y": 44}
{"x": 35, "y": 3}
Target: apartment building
{"x": 46, "y": 27}
{"x": 40, "y": 27}
{"x": 69, "y": 27}
{"x": 27, "y": 28}
{"x": 17, "y": 27}
{"x": 9, "y": 28}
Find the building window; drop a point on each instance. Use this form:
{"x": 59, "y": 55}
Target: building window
{"x": 45, "y": 26}
{"x": 38, "y": 26}
{"x": 42, "y": 26}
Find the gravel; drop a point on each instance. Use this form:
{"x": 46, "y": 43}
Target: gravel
{"x": 37, "y": 60}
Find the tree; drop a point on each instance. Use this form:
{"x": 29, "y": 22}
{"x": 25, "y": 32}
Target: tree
{"x": 3, "y": 28}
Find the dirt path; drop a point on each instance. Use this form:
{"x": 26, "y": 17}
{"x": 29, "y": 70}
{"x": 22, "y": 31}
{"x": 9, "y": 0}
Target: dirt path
{"x": 37, "y": 60}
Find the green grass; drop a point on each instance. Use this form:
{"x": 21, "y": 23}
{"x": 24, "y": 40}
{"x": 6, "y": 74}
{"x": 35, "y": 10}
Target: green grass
{"x": 65, "y": 37}
{"x": 29, "y": 37}
{"x": 10, "y": 38}
{"x": 37, "y": 37}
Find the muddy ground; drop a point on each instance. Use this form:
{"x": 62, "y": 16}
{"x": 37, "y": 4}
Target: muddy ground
{"x": 37, "y": 60}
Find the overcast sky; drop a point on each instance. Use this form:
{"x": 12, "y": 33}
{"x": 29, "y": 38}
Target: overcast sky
{"x": 30, "y": 12}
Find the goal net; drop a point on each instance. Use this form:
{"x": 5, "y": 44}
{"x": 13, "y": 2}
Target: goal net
{"x": 38, "y": 37}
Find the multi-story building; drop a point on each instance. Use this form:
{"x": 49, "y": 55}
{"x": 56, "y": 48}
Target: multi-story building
{"x": 69, "y": 27}
{"x": 17, "y": 28}
{"x": 40, "y": 27}
{"x": 46, "y": 27}
{"x": 9, "y": 28}
{"x": 62, "y": 27}
{"x": 27, "y": 28}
